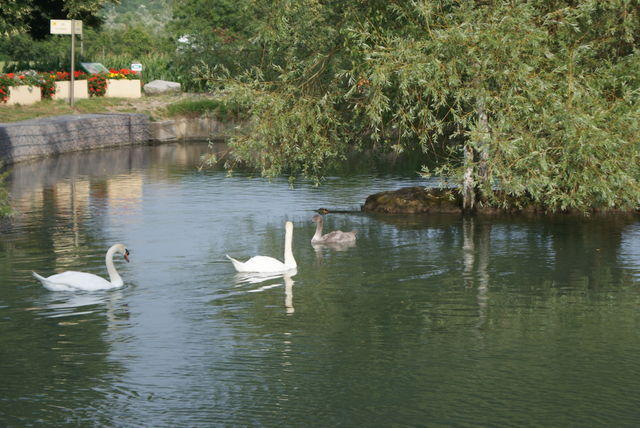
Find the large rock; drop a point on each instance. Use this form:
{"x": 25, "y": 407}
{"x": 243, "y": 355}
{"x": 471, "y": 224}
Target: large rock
{"x": 158, "y": 87}
{"x": 414, "y": 200}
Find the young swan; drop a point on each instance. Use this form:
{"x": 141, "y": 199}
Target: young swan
{"x": 263, "y": 264}
{"x": 337, "y": 236}
{"x": 76, "y": 281}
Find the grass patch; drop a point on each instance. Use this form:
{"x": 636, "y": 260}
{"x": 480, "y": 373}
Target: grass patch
{"x": 157, "y": 107}
{"x": 205, "y": 107}
{"x": 193, "y": 108}
{"x": 152, "y": 106}
{"x": 47, "y": 108}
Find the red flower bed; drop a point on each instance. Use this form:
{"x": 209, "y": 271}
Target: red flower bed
{"x": 65, "y": 75}
{"x": 97, "y": 84}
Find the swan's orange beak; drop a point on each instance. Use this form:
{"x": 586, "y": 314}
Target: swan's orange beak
{"x": 126, "y": 255}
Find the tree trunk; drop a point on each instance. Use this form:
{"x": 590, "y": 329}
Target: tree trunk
{"x": 468, "y": 186}
{"x": 483, "y": 143}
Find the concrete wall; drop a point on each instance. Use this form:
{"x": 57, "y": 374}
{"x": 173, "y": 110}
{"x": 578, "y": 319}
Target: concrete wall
{"x": 197, "y": 128}
{"x": 80, "y": 90}
{"x": 23, "y": 95}
{"x": 123, "y": 88}
{"x": 37, "y": 138}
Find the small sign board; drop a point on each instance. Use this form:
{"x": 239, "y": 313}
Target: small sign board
{"x": 136, "y": 67}
{"x": 63, "y": 26}
{"x": 94, "y": 67}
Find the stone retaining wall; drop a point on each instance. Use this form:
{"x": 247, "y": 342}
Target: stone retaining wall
{"x": 37, "y": 138}
{"x": 196, "y": 128}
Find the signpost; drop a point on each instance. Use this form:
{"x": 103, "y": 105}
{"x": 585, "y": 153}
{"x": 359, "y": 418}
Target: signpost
{"x": 136, "y": 66}
{"x": 73, "y": 27}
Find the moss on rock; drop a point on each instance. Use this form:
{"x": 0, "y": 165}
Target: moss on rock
{"x": 414, "y": 200}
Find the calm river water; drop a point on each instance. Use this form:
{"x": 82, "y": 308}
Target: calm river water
{"x": 428, "y": 320}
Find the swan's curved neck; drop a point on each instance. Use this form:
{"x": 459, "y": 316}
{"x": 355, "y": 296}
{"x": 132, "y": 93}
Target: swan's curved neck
{"x": 114, "y": 277}
{"x": 318, "y": 234}
{"x": 289, "y": 261}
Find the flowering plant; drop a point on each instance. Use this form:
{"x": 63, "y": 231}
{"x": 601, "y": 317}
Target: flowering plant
{"x": 97, "y": 84}
{"x": 5, "y": 82}
{"x": 12, "y": 79}
{"x": 123, "y": 73}
{"x": 59, "y": 76}
{"x": 47, "y": 85}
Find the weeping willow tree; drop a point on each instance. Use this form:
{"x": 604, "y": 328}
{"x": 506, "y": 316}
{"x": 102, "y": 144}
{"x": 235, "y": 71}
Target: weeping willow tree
{"x": 539, "y": 99}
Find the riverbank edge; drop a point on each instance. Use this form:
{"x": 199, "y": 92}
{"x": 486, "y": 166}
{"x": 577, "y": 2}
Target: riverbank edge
{"x": 438, "y": 200}
{"x": 39, "y": 138}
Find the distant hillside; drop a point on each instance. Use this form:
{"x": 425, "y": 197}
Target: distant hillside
{"x": 146, "y": 12}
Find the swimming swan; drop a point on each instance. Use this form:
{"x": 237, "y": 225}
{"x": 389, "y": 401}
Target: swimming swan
{"x": 337, "y": 236}
{"x": 269, "y": 264}
{"x": 73, "y": 281}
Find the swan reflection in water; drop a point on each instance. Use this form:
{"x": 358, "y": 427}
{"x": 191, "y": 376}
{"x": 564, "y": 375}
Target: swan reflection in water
{"x": 257, "y": 278}
{"x": 331, "y": 246}
{"x": 65, "y": 305}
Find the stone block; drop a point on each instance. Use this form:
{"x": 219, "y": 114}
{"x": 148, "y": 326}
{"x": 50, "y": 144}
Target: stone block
{"x": 123, "y": 88}
{"x": 23, "y": 95}
{"x": 80, "y": 90}
{"x": 158, "y": 87}
{"x": 163, "y": 131}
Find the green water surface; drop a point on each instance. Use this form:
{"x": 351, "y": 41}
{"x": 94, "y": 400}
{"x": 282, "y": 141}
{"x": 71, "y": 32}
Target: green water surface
{"x": 426, "y": 321}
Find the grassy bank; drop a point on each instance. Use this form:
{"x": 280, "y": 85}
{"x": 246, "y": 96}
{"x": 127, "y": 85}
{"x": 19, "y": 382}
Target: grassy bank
{"x": 156, "y": 107}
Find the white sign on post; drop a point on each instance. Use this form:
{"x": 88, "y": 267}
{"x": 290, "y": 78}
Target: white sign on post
{"x": 63, "y": 26}
{"x": 73, "y": 27}
{"x": 136, "y": 67}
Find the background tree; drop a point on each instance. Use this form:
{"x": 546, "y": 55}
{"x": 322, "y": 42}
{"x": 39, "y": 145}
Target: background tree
{"x": 540, "y": 98}
{"x": 40, "y": 12}
{"x": 13, "y": 16}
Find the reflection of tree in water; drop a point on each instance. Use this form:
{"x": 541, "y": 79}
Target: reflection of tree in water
{"x": 412, "y": 285}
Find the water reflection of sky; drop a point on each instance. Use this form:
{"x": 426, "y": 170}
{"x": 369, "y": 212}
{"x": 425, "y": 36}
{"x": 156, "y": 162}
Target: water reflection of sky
{"x": 630, "y": 249}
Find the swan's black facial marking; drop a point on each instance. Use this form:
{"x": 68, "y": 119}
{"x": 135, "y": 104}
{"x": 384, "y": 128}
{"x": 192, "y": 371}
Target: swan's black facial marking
{"x": 126, "y": 255}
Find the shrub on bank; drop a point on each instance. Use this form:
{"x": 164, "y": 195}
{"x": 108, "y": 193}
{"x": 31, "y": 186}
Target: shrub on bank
{"x": 204, "y": 106}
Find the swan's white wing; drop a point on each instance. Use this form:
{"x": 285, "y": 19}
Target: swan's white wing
{"x": 259, "y": 264}
{"x": 71, "y": 280}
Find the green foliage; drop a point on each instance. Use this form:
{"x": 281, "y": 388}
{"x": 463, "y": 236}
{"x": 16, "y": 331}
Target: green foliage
{"x": 155, "y": 66}
{"x": 213, "y": 32}
{"x": 33, "y": 16}
{"x": 13, "y": 16}
{"x": 115, "y": 49}
{"x": 557, "y": 82}
{"x": 153, "y": 13}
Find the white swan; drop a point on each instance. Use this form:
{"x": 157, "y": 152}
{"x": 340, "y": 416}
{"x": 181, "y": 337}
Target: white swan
{"x": 335, "y": 237}
{"x": 269, "y": 264}
{"x": 74, "y": 281}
